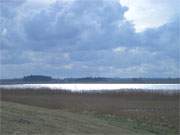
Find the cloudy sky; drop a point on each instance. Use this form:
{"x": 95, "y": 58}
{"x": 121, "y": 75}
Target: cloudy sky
{"x": 80, "y": 38}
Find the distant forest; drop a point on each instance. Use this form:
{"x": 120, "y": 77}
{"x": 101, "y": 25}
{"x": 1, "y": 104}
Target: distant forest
{"x": 48, "y": 79}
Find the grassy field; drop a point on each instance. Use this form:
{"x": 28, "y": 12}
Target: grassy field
{"x": 42, "y": 112}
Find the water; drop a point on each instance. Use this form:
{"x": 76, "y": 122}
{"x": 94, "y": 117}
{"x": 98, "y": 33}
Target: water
{"x": 89, "y": 87}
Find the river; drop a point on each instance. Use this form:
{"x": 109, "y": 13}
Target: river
{"x": 80, "y": 86}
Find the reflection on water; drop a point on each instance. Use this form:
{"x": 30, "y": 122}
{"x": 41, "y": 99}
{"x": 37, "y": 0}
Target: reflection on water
{"x": 78, "y": 87}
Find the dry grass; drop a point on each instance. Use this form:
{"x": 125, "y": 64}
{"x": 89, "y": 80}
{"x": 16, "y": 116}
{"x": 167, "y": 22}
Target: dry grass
{"x": 155, "y": 112}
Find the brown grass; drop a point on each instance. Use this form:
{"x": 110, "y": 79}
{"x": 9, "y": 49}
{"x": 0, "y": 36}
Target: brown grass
{"x": 152, "y": 109}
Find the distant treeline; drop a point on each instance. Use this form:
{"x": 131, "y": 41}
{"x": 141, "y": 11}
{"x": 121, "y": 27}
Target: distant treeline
{"x": 48, "y": 79}
{"x": 34, "y": 78}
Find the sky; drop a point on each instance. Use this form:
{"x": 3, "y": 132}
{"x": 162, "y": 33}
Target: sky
{"x": 90, "y": 38}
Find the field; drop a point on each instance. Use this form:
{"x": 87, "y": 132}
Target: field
{"x": 43, "y": 111}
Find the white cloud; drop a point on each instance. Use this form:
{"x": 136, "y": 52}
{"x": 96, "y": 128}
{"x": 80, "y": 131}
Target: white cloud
{"x": 66, "y": 55}
{"x": 119, "y": 50}
{"x": 3, "y": 32}
{"x": 46, "y": 3}
{"x": 40, "y": 3}
{"x": 68, "y": 66}
{"x": 149, "y": 13}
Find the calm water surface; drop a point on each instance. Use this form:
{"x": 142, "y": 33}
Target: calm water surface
{"x": 79, "y": 87}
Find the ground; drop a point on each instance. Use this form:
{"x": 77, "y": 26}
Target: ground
{"x": 57, "y": 113}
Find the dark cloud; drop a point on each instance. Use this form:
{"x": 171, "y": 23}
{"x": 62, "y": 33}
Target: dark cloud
{"x": 84, "y": 38}
{"x": 165, "y": 39}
